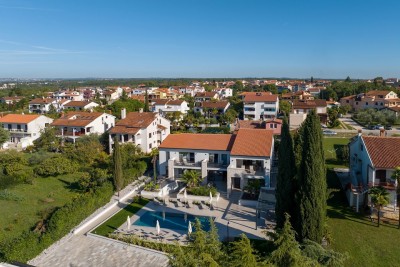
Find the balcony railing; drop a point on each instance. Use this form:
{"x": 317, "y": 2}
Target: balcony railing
{"x": 16, "y": 130}
{"x": 70, "y": 133}
{"x": 187, "y": 163}
{"x": 216, "y": 165}
{"x": 386, "y": 185}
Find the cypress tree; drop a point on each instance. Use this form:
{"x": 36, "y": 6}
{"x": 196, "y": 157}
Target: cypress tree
{"x": 311, "y": 194}
{"x": 285, "y": 188}
{"x": 146, "y": 102}
{"x": 118, "y": 175}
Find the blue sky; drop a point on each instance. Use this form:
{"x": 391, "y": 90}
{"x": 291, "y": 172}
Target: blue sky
{"x": 199, "y": 38}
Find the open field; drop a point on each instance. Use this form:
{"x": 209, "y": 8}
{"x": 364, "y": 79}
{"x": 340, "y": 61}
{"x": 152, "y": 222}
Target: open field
{"x": 354, "y": 233}
{"x": 33, "y": 202}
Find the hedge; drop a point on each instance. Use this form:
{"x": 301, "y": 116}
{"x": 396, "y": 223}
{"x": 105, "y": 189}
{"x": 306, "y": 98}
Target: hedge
{"x": 30, "y": 243}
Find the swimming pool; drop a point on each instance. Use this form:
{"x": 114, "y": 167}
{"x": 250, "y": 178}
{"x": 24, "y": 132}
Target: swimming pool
{"x": 173, "y": 221}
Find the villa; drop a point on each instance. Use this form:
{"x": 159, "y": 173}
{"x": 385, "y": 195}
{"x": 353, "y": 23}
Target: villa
{"x": 260, "y": 105}
{"x": 144, "y": 129}
{"x": 77, "y": 123}
{"x": 24, "y": 128}
{"x": 237, "y": 157}
{"x": 80, "y": 105}
{"x": 372, "y": 162}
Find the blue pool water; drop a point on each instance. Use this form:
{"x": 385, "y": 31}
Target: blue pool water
{"x": 173, "y": 221}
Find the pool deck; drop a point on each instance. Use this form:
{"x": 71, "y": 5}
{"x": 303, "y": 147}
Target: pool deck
{"x": 241, "y": 220}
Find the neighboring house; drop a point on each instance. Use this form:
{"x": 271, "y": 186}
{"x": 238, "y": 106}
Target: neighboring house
{"x": 394, "y": 110}
{"x": 238, "y": 157}
{"x": 68, "y": 95}
{"x": 164, "y": 106}
{"x": 110, "y": 95}
{"x": 80, "y": 105}
{"x": 209, "y": 107}
{"x": 284, "y": 87}
{"x": 24, "y": 128}
{"x": 302, "y": 95}
{"x": 44, "y": 105}
{"x": 224, "y": 92}
{"x": 9, "y": 100}
{"x": 74, "y": 124}
{"x": 145, "y": 129}
{"x": 206, "y": 96}
{"x": 301, "y": 108}
{"x": 270, "y": 124}
{"x": 260, "y": 105}
{"x": 372, "y": 163}
{"x": 376, "y": 99}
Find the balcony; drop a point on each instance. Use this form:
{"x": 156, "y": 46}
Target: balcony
{"x": 69, "y": 133}
{"x": 386, "y": 185}
{"x": 16, "y": 130}
{"x": 217, "y": 165}
{"x": 184, "y": 162}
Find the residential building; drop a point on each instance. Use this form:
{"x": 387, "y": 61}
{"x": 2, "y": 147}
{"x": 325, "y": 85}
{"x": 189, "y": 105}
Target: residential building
{"x": 9, "y": 100}
{"x": 44, "y": 105}
{"x": 269, "y": 124}
{"x": 209, "y": 108}
{"x": 302, "y": 95}
{"x": 24, "y": 128}
{"x": 164, "y": 106}
{"x": 376, "y": 99}
{"x": 239, "y": 157}
{"x": 74, "y": 124}
{"x": 224, "y": 92}
{"x": 301, "y": 108}
{"x": 144, "y": 129}
{"x": 206, "y": 96}
{"x": 260, "y": 105}
{"x": 68, "y": 95}
{"x": 372, "y": 162}
{"x": 80, "y": 105}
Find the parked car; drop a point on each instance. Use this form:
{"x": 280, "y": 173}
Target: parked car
{"x": 323, "y": 126}
{"x": 329, "y": 132}
{"x": 388, "y": 127}
{"x": 378, "y": 127}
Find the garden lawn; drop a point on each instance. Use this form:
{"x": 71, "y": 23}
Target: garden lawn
{"x": 118, "y": 219}
{"x": 354, "y": 233}
{"x": 35, "y": 202}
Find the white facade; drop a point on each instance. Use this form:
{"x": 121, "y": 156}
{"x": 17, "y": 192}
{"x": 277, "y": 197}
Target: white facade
{"x": 23, "y": 134}
{"x": 170, "y": 106}
{"x": 260, "y": 110}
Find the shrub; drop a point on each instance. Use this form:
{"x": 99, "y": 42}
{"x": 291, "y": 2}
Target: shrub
{"x": 151, "y": 187}
{"x": 202, "y": 191}
{"x": 55, "y": 166}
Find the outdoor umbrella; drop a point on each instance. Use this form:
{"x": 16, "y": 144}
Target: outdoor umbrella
{"x": 190, "y": 228}
{"x": 163, "y": 215}
{"x": 158, "y": 228}
{"x": 185, "y": 195}
{"x": 128, "y": 222}
{"x": 185, "y": 217}
{"x": 210, "y": 197}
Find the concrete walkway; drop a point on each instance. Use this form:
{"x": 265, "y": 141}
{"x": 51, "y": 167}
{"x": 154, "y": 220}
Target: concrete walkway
{"x": 81, "y": 250}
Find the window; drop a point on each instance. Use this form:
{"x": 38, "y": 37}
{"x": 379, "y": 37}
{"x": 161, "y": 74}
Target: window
{"x": 150, "y": 146}
{"x": 366, "y": 103}
{"x": 18, "y": 127}
{"x": 149, "y": 135}
{"x": 356, "y": 103}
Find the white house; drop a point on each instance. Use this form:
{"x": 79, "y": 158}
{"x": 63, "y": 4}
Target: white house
{"x": 301, "y": 107}
{"x": 80, "y": 105}
{"x": 24, "y": 128}
{"x": 372, "y": 163}
{"x": 220, "y": 107}
{"x": 74, "y": 124}
{"x": 239, "y": 157}
{"x": 145, "y": 129}
{"x": 206, "y": 96}
{"x": 68, "y": 95}
{"x": 44, "y": 105}
{"x": 260, "y": 105}
{"x": 224, "y": 92}
{"x": 164, "y": 106}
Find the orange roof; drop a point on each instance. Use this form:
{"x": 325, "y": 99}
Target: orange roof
{"x": 77, "y": 104}
{"x": 260, "y": 97}
{"x": 383, "y": 151}
{"x": 77, "y": 119}
{"x": 206, "y": 94}
{"x": 42, "y": 101}
{"x": 307, "y": 104}
{"x": 199, "y": 141}
{"x": 377, "y": 93}
{"x": 18, "y": 118}
{"x": 219, "y": 104}
{"x": 253, "y": 143}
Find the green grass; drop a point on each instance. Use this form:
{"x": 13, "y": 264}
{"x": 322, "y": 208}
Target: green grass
{"x": 35, "y": 201}
{"x": 118, "y": 219}
{"x": 354, "y": 233}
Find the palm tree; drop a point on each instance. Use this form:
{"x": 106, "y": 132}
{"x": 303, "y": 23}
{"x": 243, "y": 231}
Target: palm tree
{"x": 191, "y": 177}
{"x": 154, "y": 154}
{"x": 380, "y": 198}
{"x": 396, "y": 176}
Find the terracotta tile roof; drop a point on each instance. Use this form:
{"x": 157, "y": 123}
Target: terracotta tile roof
{"x": 219, "y": 104}
{"x": 12, "y": 97}
{"x": 384, "y": 151}
{"x": 77, "y": 104}
{"x": 199, "y": 141}
{"x": 77, "y": 119}
{"x": 167, "y": 102}
{"x": 139, "y": 97}
{"x": 138, "y": 119}
{"x": 308, "y": 104}
{"x": 395, "y": 109}
{"x": 159, "y": 126}
{"x": 251, "y": 124}
{"x": 377, "y": 93}
{"x": 124, "y": 130}
{"x": 253, "y": 142}
{"x": 18, "y": 118}
{"x": 349, "y": 97}
{"x": 42, "y": 101}
{"x": 260, "y": 97}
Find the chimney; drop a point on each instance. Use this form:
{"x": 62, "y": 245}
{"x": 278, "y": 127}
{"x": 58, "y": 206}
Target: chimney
{"x": 140, "y": 110}
{"x": 123, "y": 113}
{"x": 359, "y": 132}
{"x": 382, "y": 132}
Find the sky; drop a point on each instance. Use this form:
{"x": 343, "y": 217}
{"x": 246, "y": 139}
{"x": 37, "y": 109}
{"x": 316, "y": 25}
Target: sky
{"x": 199, "y": 38}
